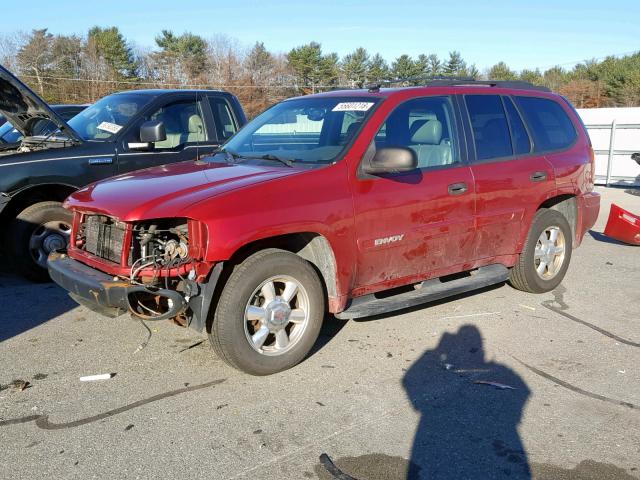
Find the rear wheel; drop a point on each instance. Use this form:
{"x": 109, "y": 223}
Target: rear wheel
{"x": 34, "y": 233}
{"x": 269, "y": 313}
{"x": 546, "y": 254}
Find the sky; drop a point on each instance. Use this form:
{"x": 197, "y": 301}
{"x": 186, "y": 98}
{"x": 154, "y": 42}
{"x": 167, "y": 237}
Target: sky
{"x": 523, "y": 34}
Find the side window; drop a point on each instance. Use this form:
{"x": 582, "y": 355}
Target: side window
{"x": 548, "y": 122}
{"x": 490, "y": 128}
{"x": 225, "y": 126}
{"x": 182, "y": 122}
{"x": 519, "y": 135}
{"x": 427, "y": 126}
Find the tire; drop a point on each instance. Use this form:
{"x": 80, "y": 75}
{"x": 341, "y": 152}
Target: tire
{"x": 244, "y": 311}
{"x": 33, "y": 234}
{"x": 539, "y": 249}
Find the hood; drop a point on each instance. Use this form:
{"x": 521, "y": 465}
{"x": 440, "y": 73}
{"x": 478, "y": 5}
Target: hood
{"x": 23, "y": 108}
{"x": 169, "y": 190}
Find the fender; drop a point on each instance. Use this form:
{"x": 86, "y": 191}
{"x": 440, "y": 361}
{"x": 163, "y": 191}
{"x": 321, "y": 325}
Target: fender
{"x": 7, "y": 198}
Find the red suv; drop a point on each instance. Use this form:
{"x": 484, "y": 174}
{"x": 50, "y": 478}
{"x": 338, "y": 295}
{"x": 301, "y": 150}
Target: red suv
{"x": 348, "y": 202}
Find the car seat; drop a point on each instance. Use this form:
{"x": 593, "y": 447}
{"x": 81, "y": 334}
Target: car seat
{"x": 196, "y": 128}
{"x": 431, "y": 149}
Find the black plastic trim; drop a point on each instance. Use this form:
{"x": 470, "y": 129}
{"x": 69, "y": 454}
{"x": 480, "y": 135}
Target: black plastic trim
{"x": 428, "y": 291}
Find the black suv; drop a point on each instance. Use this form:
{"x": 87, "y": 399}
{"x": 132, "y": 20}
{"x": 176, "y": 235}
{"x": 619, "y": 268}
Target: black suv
{"x": 119, "y": 133}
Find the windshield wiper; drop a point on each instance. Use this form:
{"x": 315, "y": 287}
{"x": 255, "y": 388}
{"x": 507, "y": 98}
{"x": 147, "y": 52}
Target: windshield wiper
{"x": 268, "y": 156}
{"x": 286, "y": 161}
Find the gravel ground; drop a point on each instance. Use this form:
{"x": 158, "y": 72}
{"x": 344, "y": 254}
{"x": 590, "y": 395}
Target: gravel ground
{"x": 390, "y": 397}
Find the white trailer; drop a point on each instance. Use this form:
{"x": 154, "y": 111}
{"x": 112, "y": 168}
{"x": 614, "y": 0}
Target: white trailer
{"x": 615, "y": 134}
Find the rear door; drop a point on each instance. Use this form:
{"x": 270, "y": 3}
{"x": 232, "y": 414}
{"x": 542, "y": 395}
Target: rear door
{"x": 190, "y": 133}
{"x": 415, "y": 224}
{"x": 511, "y": 180}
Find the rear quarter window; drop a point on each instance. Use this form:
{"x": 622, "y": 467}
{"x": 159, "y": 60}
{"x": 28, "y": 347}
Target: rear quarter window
{"x": 548, "y": 123}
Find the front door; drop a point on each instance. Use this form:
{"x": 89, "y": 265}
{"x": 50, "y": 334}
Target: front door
{"x": 417, "y": 224}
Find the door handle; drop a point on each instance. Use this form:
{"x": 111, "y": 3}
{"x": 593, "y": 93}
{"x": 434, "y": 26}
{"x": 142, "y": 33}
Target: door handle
{"x": 457, "y": 188}
{"x": 538, "y": 176}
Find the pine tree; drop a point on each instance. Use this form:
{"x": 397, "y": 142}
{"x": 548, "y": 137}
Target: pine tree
{"x": 455, "y": 65}
{"x": 311, "y": 67}
{"x": 434, "y": 65}
{"x": 188, "y": 50}
{"x": 531, "y": 76}
{"x": 355, "y": 67}
{"x": 378, "y": 69}
{"x": 110, "y": 45}
{"x": 500, "y": 71}
{"x": 404, "y": 67}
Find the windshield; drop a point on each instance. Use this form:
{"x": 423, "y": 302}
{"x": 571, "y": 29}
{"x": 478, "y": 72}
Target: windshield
{"x": 306, "y": 130}
{"x": 106, "y": 117}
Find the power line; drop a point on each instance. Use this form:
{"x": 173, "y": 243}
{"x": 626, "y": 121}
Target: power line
{"x": 179, "y": 85}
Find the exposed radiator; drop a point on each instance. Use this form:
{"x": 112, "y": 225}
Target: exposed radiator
{"x": 104, "y": 237}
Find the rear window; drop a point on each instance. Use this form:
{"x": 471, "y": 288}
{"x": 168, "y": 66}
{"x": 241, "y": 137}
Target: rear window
{"x": 490, "y": 128}
{"x": 548, "y": 123}
{"x": 225, "y": 126}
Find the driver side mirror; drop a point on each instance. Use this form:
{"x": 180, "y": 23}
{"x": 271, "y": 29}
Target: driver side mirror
{"x": 636, "y": 157}
{"x": 150, "y": 132}
{"x": 391, "y": 160}
{"x": 153, "y": 131}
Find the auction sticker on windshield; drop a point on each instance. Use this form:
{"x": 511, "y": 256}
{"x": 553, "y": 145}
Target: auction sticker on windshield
{"x": 352, "y": 107}
{"x": 109, "y": 127}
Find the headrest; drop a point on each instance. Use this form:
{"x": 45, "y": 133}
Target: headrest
{"x": 415, "y": 126}
{"x": 195, "y": 124}
{"x": 430, "y": 132}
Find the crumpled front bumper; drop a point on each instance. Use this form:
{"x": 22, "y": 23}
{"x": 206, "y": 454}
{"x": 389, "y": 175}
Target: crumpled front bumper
{"x": 102, "y": 293}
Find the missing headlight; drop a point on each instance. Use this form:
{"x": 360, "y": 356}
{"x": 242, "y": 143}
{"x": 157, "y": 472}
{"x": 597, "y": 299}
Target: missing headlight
{"x": 160, "y": 244}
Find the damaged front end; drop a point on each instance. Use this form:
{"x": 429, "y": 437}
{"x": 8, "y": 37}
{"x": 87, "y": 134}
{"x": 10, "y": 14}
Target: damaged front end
{"x": 153, "y": 269}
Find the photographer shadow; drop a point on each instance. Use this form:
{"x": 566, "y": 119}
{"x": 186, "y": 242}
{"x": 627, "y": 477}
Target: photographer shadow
{"x": 466, "y": 430}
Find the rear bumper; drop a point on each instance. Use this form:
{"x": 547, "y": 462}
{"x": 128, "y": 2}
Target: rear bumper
{"x": 623, "y": 225}
{"x": 588, "y": 210}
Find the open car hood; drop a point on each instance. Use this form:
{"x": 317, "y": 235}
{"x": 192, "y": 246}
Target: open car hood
{"x": 23, "y": 108}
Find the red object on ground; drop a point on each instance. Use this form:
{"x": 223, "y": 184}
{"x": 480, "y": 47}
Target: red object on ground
{"x": 623, "y": 226}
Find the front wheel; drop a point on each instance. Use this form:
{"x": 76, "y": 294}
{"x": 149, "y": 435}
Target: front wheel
{"x": 269, "y": 313}
{"x": 546, "y": 254}
{"x": 34, "y": 233}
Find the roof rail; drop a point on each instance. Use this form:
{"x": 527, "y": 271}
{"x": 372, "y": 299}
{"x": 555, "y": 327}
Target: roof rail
{"x": 441, "y": 81}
